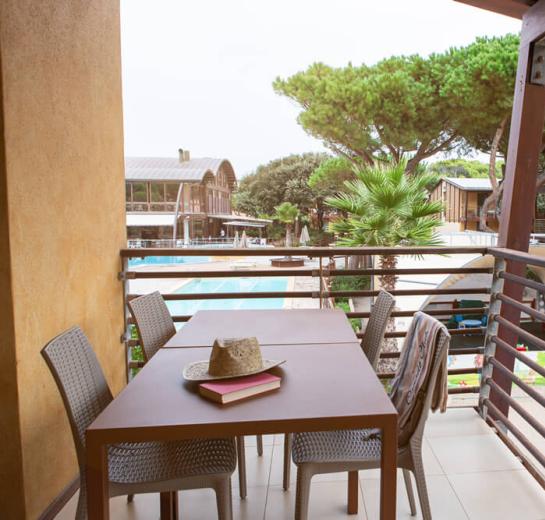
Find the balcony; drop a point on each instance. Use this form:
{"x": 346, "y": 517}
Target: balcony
{"x": 472, "y": 453}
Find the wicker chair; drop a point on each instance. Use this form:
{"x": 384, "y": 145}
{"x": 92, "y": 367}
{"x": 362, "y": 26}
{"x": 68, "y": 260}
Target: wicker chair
{"x": 153, "y": 322}
{"x": 372, "y": 340}
{"x": 376, "y": 326}
{"x": 150, "y": 467}
{"x": 155, "y": 327}
{"x": 353, "y": 450}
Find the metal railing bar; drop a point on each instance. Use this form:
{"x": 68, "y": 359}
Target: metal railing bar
{"x": 453, "y": 332}
{"x": 520, "y": 332}
{"x": 235, "y": 295}
{"x": 496, "y": 426}
{"x": 235, "y": 273}
{"x": 517, "y": 256}
{"x": 312, "y": 252}
{"x": 540, "y": 428}
{"x": 522, "y": 281}
{"x": 451, "y": 352}
{"x": 521, "y": 307}
{"x": 519, "y": 382}
{"x": 226, "y": 273}
{"x": 431, "y": 312}
{"x": 451, "y": 372}
{"x": 315, "y": 294}
{"x": 410, "y": 292}
{"x": 504, "y": 421}
{"x": 519, "y": 355}
{"x": 464, "y": 390}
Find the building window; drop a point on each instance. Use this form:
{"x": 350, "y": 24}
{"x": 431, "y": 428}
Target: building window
{"x": 139, "y": 192}
{"x": 171, "y": 192}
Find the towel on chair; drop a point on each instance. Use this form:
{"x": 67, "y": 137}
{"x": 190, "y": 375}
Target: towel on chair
{"x": 410, "y": 383}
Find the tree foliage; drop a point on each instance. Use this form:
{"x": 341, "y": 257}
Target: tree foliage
{"x": 281, "y": 180}
{"x": 286, "y": 213}
{"x": 328, "y": 179}
{"x": 408, "y": 107}
{"x": 479, "y": 85}
{"x": 387, "y": 208}
{"x": 462, "y": 168}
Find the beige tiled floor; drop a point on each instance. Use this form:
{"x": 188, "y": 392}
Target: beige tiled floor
{"x": 470, "y": 475}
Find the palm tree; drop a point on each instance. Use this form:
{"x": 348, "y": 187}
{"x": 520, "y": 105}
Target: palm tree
{"x": 386, "y": 207}
{"x": 286, "y": 213}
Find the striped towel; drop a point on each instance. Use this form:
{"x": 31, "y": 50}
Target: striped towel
{"x": 408, "y": 391}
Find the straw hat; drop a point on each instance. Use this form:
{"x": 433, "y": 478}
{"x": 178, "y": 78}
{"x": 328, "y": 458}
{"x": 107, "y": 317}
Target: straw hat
{"x": 230, "y": 357}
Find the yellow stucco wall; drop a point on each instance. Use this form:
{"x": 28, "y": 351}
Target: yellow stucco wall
{"x": 11, "y": 475}
{"x": 61, "y": 80}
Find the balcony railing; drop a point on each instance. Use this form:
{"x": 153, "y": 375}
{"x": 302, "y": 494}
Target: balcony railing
{"x": 494, "y": 398}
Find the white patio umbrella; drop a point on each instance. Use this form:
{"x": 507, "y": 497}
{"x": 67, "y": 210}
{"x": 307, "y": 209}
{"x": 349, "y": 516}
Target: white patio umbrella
{"x": 236, "y": 241}
{"x": 243, "y": 240}
{"x": 305, "y": 237}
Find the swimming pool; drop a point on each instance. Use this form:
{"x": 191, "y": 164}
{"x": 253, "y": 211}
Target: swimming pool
{"x": 223, "y": 285}
{"x": 167, "y": 260}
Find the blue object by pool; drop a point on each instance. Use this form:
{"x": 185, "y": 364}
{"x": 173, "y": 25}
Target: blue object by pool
{"x": 225, "y": 285}
{"x": 167, "y": 260}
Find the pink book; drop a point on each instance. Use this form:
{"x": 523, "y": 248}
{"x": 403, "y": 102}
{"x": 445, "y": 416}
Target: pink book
{"x": 229, "y": 390}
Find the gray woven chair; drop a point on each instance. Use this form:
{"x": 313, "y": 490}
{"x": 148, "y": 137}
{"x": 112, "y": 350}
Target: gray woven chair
{"x": 376, "y": 326}
{"x": 155, "y": 327}
{"x": 354, "y": 450}
{"x": 372, "y": 340}
{"x": 153, "y": 322}
{"x": 150, "y": 467}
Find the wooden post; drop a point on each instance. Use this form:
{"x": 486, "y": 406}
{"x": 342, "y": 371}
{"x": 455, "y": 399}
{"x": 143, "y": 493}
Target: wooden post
{"x": 525, "y": 143}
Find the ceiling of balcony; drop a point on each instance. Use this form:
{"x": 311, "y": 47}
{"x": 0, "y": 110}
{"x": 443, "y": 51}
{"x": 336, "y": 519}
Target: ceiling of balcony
{"x": 514, "y": 8}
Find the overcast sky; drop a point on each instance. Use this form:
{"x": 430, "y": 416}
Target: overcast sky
{"x": 197, "y": 74}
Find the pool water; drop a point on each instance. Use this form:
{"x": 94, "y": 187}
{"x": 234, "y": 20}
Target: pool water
{"x": 223, "y": 285}
{"x": 167, "y": 260}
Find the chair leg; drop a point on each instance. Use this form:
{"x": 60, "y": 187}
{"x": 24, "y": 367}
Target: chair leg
{"x": 241, "y": 454}
{"x": 302, "y": 493}
{"x": 259, "y": 439}
{"x": 223, "y": 499}
{"x": 420, "y": 477}
{"x": 287, "y": 461}
{"x": 409, "y": 488}
{"x": 81, "y": 511}
{"x": 130, "y": 498}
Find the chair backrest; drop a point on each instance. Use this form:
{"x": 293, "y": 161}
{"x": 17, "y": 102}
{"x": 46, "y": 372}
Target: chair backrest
{"x": 153, "y": 322}
{"x": 374, "y": 332}
{"x": 419, "y": 375}
{"x": 80, "y": 380}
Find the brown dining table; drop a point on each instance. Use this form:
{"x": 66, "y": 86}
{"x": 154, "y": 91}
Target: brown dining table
{"x": 270, "y": 327}
{"x": 325, "y": 386}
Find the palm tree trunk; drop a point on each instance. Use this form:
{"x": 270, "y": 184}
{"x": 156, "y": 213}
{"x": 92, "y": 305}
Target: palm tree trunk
{"x": 388, "y": 283}
{"x": 288, "y": 235}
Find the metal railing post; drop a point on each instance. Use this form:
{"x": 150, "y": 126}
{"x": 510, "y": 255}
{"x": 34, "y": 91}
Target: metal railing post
{"x": 321, "y": 284}
{"x": 126, "y": 335}
{"x": 491, "y": 332}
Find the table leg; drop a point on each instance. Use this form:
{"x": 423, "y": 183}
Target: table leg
{"x": 388, "y": 472}
{"x": 353, "y": 486}
{"x": 169, "y": 505}
{"x": 97, "y": 480}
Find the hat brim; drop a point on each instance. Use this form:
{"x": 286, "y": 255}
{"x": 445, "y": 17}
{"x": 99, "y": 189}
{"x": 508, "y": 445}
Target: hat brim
{"x": 198, "y": 370}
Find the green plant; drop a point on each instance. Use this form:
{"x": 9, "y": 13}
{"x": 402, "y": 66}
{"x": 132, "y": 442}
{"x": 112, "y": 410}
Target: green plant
{"x": 387, "y": 208}
{"x": 286, "y": 213}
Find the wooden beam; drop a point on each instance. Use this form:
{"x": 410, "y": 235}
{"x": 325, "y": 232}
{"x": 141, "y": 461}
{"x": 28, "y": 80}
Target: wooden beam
{"x": 512, "y": 8}
{"x": 525, "y": 142}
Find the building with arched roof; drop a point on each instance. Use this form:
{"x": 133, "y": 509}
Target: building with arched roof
{"x": 161, "y": 192}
